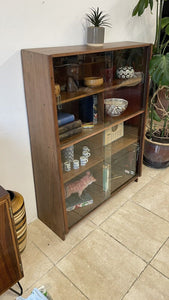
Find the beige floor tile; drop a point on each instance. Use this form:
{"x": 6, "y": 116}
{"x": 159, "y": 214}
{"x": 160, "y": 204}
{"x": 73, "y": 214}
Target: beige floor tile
{"x": 152, "y": 172}
{"x": 134, "y": 186}
{"x": 51, "y": 244}
{"x": 102, "y": 212}
{"x": 139, "y": 230}
{"x": 100, "y": 267}
{"x": 8, "y": 296}
{"x": 58, "y": 286}
{"x": 161, "y": 260}
{"x": 150, "y": 286}
{"x": 164, "y": 175}
{"x": 35, "y": 265}
{"x": 154, "y": 196}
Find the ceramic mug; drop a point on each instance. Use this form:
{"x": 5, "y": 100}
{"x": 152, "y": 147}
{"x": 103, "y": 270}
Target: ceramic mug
{"x": 75, "y": 164}
{"x": 85, "y": 148}
{"x": 86, "y": 153}
{"x": 67, "y": 166}
{"x": 83, "y": 160}
{"x": 68, "y": 153}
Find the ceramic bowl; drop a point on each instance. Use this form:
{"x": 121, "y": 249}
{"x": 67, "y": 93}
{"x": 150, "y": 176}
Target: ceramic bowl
{"x": 125, "y": 72}
{"x": 93, "y": 81}
{"x": 115, "y": 106}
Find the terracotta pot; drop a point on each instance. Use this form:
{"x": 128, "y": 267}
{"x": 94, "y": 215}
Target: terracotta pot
{"x": 19, "y": 213}
{"x": 156, "y": 155}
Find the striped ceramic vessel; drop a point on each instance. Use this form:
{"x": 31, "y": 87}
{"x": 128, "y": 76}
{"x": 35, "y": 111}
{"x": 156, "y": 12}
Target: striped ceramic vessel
{"x": 19, "y": 213}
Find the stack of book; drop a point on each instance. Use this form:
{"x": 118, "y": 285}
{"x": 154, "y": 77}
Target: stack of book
{"x": 65, "y": 118}
{"x": 70, "y": 129}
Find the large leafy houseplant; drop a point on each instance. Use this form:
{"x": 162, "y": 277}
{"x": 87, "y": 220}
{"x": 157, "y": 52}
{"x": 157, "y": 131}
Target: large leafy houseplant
{"x": 159, "y": 63}
{"x": 158, "y": 125}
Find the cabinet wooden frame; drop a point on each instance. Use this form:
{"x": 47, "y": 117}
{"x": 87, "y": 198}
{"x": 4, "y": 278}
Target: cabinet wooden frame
{"x": 39, "y": 83}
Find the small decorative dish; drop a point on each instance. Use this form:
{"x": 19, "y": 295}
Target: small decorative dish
{"x": 93, "y": 82}
{"x": 115, "y": 106}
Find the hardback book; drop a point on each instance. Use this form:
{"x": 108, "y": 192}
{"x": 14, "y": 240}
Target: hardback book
{"x": 65, "y": 118}
{"x": 74, "y": 201}
{"x": 70, "y": 126}
{"x": 86, "y": 109}
{"x": 69, "y": 133}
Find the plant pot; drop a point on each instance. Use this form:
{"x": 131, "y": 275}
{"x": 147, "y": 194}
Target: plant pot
{"x": 156, "y": 154}
{"x": 95, "y": 36}
{"x": 19, "y": 214}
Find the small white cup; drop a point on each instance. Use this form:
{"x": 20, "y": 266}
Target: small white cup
{"x": 85, "y": 148}
{"x": 83, "y": 160}
{"x": 75, "y": 164}
{"x": 86, "y": 153}
{"x": 67, "y": 166}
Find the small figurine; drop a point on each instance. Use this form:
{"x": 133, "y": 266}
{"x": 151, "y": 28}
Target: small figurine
{"x": 79, "y": 185}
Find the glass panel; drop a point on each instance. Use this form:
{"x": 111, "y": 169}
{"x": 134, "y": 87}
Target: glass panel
{"x": 85, "y": 104}
{"x": 117, "y": 69}
{"x": 83, "y": 177}
{"x": 97, "y": 166}
{"x": 128, "y": 84}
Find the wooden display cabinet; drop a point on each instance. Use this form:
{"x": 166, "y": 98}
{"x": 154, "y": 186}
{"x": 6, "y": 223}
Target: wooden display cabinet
{"x": 113, "y": 165}
{"x": 10, "y": 261}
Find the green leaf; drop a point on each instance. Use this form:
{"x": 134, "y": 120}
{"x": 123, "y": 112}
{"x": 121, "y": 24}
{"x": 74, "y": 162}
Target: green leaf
{"x": 141, "y": 6}
{"x": 97, "y": 18}
{"x": 164, "y": 22}
{"x": 146, "y": 3}
{"x": 151, "y": 4}
{"x": 159, "y": 69}
{"x": 135, "y": 10}
{"x": 167, "y": 30}
{"x": 156, "y": 116}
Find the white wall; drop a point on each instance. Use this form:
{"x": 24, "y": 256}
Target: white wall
{"x": 40, "y": 23}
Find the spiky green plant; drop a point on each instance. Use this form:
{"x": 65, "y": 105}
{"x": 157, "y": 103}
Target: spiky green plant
{"x": 97, "y": 18}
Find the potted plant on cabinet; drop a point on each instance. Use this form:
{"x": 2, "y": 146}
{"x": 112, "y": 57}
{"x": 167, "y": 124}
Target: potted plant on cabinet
{"x": 95, "y": 32}
{"x": 156, "y": 149}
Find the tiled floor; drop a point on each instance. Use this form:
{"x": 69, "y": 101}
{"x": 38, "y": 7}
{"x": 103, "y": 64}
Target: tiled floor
{"x": 120, "y": 251}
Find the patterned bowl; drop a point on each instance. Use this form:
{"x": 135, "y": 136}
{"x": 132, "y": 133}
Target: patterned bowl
{"x": 125, "y": 72}
{"x": 115, "y": 106}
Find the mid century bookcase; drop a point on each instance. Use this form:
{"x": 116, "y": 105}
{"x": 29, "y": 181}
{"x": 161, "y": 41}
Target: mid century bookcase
{"x": 116, "y": 159}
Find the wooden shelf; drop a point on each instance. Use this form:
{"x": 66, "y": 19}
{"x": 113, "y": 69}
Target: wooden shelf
{"x": 67, "y": 176}
{"x": 109, "y": 122}
{"x": 85, "y": 91}
{"x": 130, "y": 137}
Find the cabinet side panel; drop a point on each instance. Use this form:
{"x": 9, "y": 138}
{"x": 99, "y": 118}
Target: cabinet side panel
{"x": 145, "y": 106}
{"x": 10, "y": 263}
{"x": 44, "y": 141}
